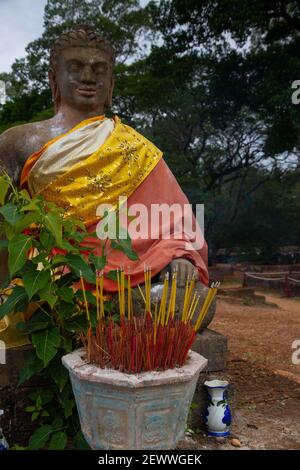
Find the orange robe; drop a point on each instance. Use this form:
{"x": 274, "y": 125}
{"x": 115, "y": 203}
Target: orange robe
{"x": 152, "y": 183}
{"x": 159, "y": 187}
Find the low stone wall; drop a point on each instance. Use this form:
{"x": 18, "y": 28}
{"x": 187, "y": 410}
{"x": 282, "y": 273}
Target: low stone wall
{"x": 235, "y": 273}
{"x": 225, "y": 273}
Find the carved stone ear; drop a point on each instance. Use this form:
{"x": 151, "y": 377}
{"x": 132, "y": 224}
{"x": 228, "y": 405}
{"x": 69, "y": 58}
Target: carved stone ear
{"x": 108, "y": 102}
{"x": 54, "y": 88}
{"x": 52, "y": 82}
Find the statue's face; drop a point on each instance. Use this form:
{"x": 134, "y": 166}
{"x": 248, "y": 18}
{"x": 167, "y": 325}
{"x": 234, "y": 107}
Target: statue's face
{"x": 84, "y": 78}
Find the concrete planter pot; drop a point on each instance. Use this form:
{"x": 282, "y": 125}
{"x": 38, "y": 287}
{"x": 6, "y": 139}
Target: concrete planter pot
{"x": 133, "y": 411}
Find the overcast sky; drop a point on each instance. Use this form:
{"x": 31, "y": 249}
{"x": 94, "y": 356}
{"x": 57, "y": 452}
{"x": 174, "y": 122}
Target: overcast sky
{"x": 21, "y": 21}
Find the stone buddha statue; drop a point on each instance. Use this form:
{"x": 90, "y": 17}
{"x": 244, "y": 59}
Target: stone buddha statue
{"x": 80, "y": 158}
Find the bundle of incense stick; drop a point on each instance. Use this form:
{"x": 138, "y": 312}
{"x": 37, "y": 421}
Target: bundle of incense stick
{"x": 152, "y": 340}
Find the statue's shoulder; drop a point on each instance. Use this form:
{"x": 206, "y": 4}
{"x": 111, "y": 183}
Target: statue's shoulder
{"x": 22, "y": 134}
{"x": 129, "y": 133}
{"x": 18, "y": 142}
{"x": 22, "y": 128}
{"x": 10, "y": 134}
{"x": 10, "y": 148}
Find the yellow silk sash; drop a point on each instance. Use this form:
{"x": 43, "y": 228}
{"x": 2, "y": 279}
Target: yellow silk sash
{"x": 116, "y": 169}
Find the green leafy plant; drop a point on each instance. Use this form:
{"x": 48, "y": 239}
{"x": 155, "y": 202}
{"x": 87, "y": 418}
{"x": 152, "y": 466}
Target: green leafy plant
{"x": 190, "y": 431}
{"x": 37, "y": 409}
{"x": 46, "y": 255}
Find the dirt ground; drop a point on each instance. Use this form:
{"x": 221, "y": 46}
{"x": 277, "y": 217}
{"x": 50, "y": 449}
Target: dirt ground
{"x": 266, "y": 412}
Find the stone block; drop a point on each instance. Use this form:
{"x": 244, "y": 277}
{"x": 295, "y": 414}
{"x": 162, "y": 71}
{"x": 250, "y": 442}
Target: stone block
{"x": 213, "y": 346}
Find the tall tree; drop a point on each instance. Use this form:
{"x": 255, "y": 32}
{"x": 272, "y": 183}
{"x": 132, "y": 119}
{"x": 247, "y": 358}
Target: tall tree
{"x": 266, "y": 36}
{"x": 124, "y": 22}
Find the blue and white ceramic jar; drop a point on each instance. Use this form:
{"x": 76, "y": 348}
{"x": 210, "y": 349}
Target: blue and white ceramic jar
{"x": 217, "y": 415}
{"x": 3, "y": 442}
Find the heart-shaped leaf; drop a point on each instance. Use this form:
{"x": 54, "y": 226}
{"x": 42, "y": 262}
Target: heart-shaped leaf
{"x": 58, "y": 441}
{"x": 46, "y": 343}
{"x": 35, "y": 281}
{"x": 53, "y": 223}
{"x": 41, "y": 436}
{"x": 18, "y": 294}
{"x": 17, "y": 250}
{"x": 79, "y": 265}
{"x": 10, "y": 213}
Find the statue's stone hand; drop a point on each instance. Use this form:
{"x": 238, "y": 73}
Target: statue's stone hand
{"x": 184, "y": 270}
{"x": 202, "y": 290}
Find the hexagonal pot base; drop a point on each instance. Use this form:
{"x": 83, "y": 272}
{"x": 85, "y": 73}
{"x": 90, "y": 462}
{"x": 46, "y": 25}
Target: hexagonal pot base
{"x": 133, "y": 411}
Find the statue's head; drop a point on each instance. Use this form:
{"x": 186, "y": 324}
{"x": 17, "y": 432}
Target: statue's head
{"x": 81, "y": 70}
